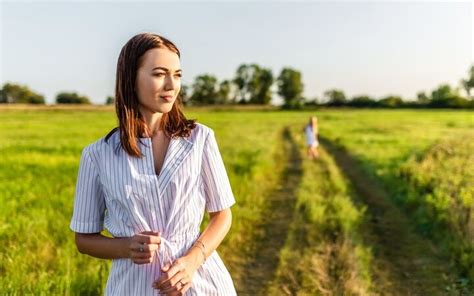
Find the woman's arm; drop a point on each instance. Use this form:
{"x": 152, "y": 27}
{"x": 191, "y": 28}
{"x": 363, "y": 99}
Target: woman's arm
{"x": 100, "y": 246}
{"x": 218, "y": 227}
{"x": 184, "y": 268}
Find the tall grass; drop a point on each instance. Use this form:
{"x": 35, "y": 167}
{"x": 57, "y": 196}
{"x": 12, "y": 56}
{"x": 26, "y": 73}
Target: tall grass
{"x": 440, "y": 187}
{"x": 38, "y": 168}
{"x": 424, "y": 160}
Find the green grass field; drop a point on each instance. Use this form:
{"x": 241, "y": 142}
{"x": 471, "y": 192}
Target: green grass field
{"x": 423, "y": 159}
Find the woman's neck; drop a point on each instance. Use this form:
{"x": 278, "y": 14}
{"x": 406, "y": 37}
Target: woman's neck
{"x": 152, "y": 120}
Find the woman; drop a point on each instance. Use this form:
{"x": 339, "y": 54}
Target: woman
{"x": 149, "y": 181}
{"x": 311, "y": 131}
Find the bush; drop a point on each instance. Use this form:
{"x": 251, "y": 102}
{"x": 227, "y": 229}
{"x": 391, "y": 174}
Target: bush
{"x": 19, "y": 94}
{"x": 71, "y": 98}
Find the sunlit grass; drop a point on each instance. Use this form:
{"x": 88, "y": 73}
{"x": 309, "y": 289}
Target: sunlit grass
{"x": 324, "y": 253}
{"x": 424, "y": 160}
{"x": 40, "y": 156}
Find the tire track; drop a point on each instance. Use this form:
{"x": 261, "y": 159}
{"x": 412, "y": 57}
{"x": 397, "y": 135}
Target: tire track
{"x": 273, "y": 228}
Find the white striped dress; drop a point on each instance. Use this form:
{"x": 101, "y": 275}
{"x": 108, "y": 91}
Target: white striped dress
{"x": 124, "y": 195}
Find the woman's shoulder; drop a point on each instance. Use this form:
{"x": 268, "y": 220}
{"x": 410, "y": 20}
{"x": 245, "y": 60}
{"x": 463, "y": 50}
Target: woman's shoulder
{"x": 200, "y": 131}
{"x": 103, "y": 143}
{"x": 202, "y": 128}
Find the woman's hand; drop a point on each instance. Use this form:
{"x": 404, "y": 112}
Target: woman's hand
{"x": 142, "y": 247}
{"x": 177, "y": 277}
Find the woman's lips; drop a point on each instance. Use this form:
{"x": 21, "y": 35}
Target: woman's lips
{"x": 167, "y": 98}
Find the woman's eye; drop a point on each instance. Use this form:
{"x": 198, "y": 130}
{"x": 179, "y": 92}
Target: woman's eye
{"x": 162, "y": 74}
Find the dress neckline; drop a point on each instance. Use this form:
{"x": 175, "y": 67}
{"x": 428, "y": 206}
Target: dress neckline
{"x": 149, "y": 149}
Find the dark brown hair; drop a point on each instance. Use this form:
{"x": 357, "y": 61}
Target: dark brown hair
{"x": 131, "y": 123}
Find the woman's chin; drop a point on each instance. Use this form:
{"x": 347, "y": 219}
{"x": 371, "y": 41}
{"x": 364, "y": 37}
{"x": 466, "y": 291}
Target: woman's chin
{"x": 166, "y": 109}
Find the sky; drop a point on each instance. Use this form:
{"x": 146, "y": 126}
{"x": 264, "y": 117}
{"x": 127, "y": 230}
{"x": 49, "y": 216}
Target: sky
{"x": 374, "y": 48}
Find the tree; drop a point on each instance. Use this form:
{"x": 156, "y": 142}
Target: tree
{"x": 469, "y": 82}
{"x": 110, "y": 100}
{"x": 204, "y": 90}
{"x": 253, "y": 84}
{"x": 184, "y": 94}
{"x": 224, "y": 92}
{"x": 312, "y": 102}
{"x": 446, "y": 97}
{"x": 391, "y": 102}
{"x": 71, "y": 98}
{"x": 262, "y": 94}
{"x": 243, "y": 79}
{"x": 362, "y": 101}
{"x": 335, "y": 97}
{"x": 290, "y": 88}
{"x": 20, "y": 94}
{"x": 422, "y": 98}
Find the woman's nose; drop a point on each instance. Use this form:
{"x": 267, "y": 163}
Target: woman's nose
{"x": 169, "y": 83}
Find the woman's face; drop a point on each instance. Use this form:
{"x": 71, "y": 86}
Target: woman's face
{"x": 158, "y": 80}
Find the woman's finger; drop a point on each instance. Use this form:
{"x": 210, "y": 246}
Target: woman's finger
{"x": 137, "y": 246}
{"x": 164, "y": 276}
{"x": 175, "y": 284}
{"x": 155, "y": 233}
{"x": 144, "y": 247}
{"x": 147, "y": 239}
{"x": 169, "y": 274}
{"x": 185, "y": 288}
{"x": 181, "y": 291}
{"x": 140, "y": 255}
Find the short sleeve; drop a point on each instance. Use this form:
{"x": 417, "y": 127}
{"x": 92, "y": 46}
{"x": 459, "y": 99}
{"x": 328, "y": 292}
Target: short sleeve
{"x": 89, "y": 203}
{"x": 216, "y": 183}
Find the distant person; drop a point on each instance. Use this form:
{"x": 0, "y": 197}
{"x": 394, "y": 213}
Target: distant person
{"x": 149, "y": 182}
{"x": 311, "y": 132}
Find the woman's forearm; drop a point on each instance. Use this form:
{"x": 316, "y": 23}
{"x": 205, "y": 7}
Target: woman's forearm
{"x": 218, "y": 227}
{"x": 99, "y": 246}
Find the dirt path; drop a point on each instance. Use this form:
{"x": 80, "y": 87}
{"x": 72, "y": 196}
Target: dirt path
{"x": 404, "y": 263}
{"x": 260, "y": 270}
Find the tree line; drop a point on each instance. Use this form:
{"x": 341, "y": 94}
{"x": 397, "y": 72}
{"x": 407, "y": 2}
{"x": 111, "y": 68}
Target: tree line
{"x": 12, "y": 93}
{"x": 254, "y": 84}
